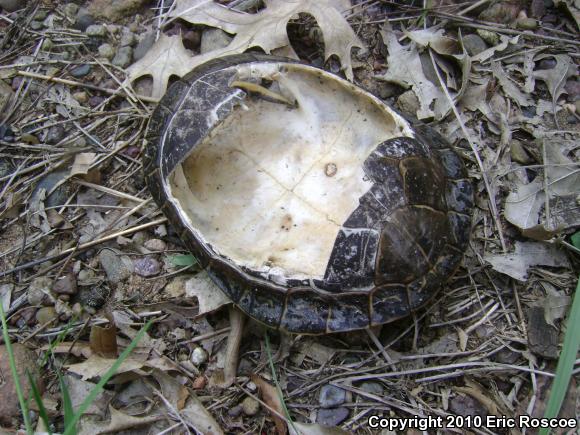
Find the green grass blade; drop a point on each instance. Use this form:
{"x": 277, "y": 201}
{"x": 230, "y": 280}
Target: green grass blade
{"x": 19, "y": 394}
{"x": 38, "y": 399}
{"x": 68, "y": 410}
{"x": 566, "y": 361}
{"x": 71, "y": 428}
{"x": 278, "y": 389}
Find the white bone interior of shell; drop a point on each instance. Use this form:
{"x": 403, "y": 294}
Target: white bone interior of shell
{"x": 272, "y": 184}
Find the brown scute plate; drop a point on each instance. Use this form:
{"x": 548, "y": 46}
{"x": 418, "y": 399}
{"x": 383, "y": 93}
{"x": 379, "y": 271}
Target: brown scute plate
{"x": 312, "y": 204}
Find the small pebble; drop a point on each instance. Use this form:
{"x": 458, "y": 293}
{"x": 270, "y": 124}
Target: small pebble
{"x": 155, "y": 245}
{"x": 66, "y": 284}
{"x": 526, "y": 24}
{"x": 47, "y": 45}
{"x": 147, "y": 266}
{"x": 84, "y": 20}
{"x": 55, "y": 134}
{"x": 199, "y": 383}
{"x": 41, "y": 15}
{"x": 96, "y": 30}
{"x": 114, "y": 267}
{"x": 36, "y": 25}
{"x": 250, "y": 406}
{"x": 133, "y": 152}
{"x": 372, "y": 388}
{"x": 192, "y": 39}
{"x": 107, "y": 51}
{"x": 29, "y": 139}
{"x": 95, "y": 100}
{"x": 12, "y": 5}
{"x": 39, "y": 291}
{"x": 123, "y": 57}
{"x": 77, "y": 309}
{"x": 331, "y": 417}
{"x": 331, "y": 396}
{"x": 235, "y": 411}
{"x": 81, "y": 71}
{"x": 45, "y": 315}
{"x": 199, "y": 356}
{"x": 144, "y": 45}
{"x": 474, "y": 44}
{"x": 127, "y": 38}
{"x": 82, "y": 97}
{"x": 572, "y": 88}
{"x": 547, "y": 63}
{"x": 71, "y": 10}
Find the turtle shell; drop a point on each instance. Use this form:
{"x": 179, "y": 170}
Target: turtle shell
{"x": 314, "y": 206}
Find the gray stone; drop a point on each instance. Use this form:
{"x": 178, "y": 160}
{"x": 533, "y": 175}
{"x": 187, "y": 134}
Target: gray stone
{"x": 147, "y": 266}
{"x": 127, "y": 38}
{"x": 235, "y": 411}
{"x": 123, "y": 57}
{"x": 96, "y": 30}
{"x": 45, "y": 315}
{"x": 212, "y": 39}
{"x": 71, "y": 10}
{"x": 55, "y": 134}
{"x": 526, "y": 24}
{"x": 113, "y": 266}
{"x": 199, "y": 356}
{"x": 408, "y": 103}
{"x": 36, "y": 25}
{"x": 144, "y": 45}
{"x": 547, "y": 63}
{"x": 331, "y": 396}
{"x": 83, "y": 20}
{"x": 47, "y": 45}
{"x": 331, "y": 417}
{"x": 372, "y": 388}
{"x": 38, "y": 292}
{"x": 542, "y": 337}
{"x": 155, "y": 245}
{"x": 65, "y": 284}
{"x": 572, "y": 88}
{"x": 250, "y": 406}
{"x": 12, "y": 5}
{"x": 41, "y": 15}
{"x": 474, "y": 44}
{"x": 81, "y": 71}
{"x": 107, "y": 51}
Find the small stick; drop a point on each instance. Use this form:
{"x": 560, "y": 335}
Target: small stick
{"x": 79, "y": 248}
{"x": 83, "y": 85}
{"x": 233, "y": 347}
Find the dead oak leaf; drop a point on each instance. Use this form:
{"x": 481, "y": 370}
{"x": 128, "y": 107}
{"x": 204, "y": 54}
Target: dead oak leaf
{"x": 265, "y": 29}
{"x": 406, "y": 70}
{"x": 165, "y": 58}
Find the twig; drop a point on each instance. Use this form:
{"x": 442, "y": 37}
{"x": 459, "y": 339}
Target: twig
{"x": 84, "y": 85}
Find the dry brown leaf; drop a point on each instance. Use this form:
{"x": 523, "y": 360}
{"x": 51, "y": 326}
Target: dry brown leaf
{"x": 486, "y": 54}
{"x": 526, "y": 255}
{"x": 119, "y": 421}
{"x": 406, "y": 70}
{"x": 96, "y": 366}
{"x": 208, "y": 294}
{"x": 82, "y": 163}
{"x": 265, "y": 29}
{"x": 573, "y": 8}
{"x": 525, "y": 202}
{"x": 187, "y": 404}
{"x": 270, "y": 396}
{"x": 315, "y": 429}
{"x": 165, "y": 58}
{"x": 555, "y": 78}
{"x": 103, "y": 340}
{"x": 510, "y": 88}
{"x": 79, "y": 390}
{"x": 78, "y": 349}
